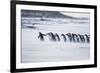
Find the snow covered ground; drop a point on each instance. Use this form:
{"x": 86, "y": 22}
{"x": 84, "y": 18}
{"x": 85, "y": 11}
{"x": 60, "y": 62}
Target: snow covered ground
{"x": 35, "y": 50}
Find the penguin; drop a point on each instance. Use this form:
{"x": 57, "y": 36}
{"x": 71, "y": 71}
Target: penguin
{"x": 69, "y": 36}
{"x": 87, "y": 38}
{"x": 41, "y": 36}
{"x": 64, "y": 37}
{"x": 51, "y": 36}
{"x": 75, "y": 37}
{"x": 56, "y": 35}
{"x": 82, "y": 39}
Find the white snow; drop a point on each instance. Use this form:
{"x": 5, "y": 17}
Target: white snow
{"x": 34, "y": 50}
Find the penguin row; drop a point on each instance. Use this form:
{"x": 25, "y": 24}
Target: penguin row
{"x": 71, "y": 37}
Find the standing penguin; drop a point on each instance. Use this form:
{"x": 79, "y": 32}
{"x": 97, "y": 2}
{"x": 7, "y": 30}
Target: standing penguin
{"x": 41, "y": 36}
{"x": 87, "y": 38}
{"x": 75, "y": 37}
{"x": 57, "y": 36}
{"x": 51, "y": 36}
{"x": 64, "y": 37}
{"x": 82, "y": 39}
{"x": 69, "y": 36}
